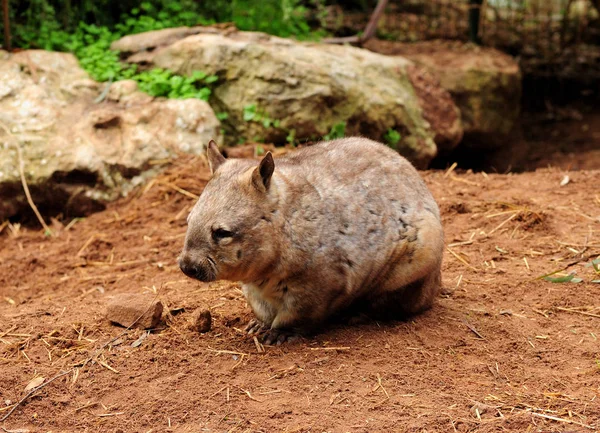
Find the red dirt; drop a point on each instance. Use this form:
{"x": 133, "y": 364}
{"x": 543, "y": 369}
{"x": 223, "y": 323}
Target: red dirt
{"x": 497, "y": 340}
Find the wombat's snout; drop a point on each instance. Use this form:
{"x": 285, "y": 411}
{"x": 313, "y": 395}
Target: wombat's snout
{"x": 195, "y": 270}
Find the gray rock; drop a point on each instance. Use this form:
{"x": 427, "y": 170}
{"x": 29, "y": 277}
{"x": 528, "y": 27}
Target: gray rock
{"x": 484, "y": 83}
{"x": 307, "y": 87}
{"x": 125, "y": 309}
{"x": 78, "y": 154}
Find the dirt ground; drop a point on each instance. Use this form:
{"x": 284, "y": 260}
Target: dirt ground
{"x": 502, "y": 349}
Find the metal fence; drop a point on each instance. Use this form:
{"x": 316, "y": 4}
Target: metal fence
{"x": 548, "y": 36}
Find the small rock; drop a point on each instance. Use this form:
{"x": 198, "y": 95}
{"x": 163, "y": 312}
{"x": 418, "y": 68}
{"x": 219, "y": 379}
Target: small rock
{"x": 478, "y": 409}
{"x": 201, "y": 320}
{"x": 125, "y": 309}
{"x": 506, "y": 312}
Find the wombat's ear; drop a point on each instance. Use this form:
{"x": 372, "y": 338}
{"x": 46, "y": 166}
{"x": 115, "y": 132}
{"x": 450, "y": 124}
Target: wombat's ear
{"x": 215, "y": 159}
{"x": 261, "y": 176}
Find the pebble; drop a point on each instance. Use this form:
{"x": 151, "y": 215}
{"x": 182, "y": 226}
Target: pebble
{"x": 126, "y": 308}
{"x": 201, "y": 320}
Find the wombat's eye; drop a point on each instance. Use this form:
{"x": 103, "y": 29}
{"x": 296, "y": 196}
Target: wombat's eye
{"x": 218, "y": 234}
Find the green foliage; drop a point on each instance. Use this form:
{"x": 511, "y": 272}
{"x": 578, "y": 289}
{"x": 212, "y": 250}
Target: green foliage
{"x": 291, "y": 137}
{"x": 392, "y": 138}
{"x": 49, "y": 24}
{"x": 337, "y": 131}
{"x": 278, "y": 17}
{"x": 160, "y": 82}
{"x": 149, "y": 16}
{"x": 253, "y": 114}
{"x": 91, "y": 45}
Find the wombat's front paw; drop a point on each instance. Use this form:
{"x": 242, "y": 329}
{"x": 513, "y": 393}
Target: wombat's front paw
{"x": 279, "y": 336}
{"x": 255, "y": 326}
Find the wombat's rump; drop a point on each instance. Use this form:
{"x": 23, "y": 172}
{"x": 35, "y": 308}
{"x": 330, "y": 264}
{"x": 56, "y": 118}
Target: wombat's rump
{"x": 340, "y": 224}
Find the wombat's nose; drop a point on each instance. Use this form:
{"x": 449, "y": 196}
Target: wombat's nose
{"x": 191, "y": 269}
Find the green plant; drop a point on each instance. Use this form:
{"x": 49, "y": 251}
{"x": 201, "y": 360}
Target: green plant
{"x": 91, "y": 45}
{"x": 291, "y": 137}
{"x": 278, "y": 17}
{"x": 337, "y": 131}
{"x": 161, "y": 82}
{"x": 151, "y": 16}
{"x": 392, "y": 138}
{"x": 48, "y": 24}
{"x": 253, "y": 114}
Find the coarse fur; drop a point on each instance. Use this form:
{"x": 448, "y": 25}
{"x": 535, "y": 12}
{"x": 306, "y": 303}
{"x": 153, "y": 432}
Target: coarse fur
{"x": 344, "y": 223}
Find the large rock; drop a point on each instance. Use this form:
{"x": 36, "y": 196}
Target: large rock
{"x": 306, "y": 87}
{"x": 77, "y": 153}
{"x": 484, "y": 83}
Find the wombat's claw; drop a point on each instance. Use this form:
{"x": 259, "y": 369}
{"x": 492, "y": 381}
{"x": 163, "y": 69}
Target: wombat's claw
{"x": 255, "y": 327}
{"x": 278, "y": 337}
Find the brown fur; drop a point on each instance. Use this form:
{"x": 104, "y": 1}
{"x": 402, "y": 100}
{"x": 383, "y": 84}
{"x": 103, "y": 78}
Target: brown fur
{"x": 338, "y": 224}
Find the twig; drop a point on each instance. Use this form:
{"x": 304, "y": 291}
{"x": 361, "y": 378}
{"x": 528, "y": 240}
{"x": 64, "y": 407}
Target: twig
{"x": 502, "y": 223}
{"x": 86, "y": 406}
{"x": 250, "y": 395}
{"x": 472, "y": 328}
{"x": 369, "y": 29}
{"x": 331, "y": 348}
{"x": 344, "y": 40}
{"x": 102, "y": 415}
{"x": 259, "y": 347}
{"x": 381, "y": 386}
{"x": 460, "y": 259}
{"x": 33, "y": 391}
{"x": 24, "y": 181}
{"x": 555, "y": 418}
{"x": 585, "y": 313}
{"x": 450, "y": 169}
{"x": 104, "y": 93}
{"x": 372, "y": 24}
{"x": 230, "y": 352}
{"x": 179, "y": 190}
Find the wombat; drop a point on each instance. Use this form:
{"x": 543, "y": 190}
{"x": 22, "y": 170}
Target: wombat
{"x": 339, "y": 225}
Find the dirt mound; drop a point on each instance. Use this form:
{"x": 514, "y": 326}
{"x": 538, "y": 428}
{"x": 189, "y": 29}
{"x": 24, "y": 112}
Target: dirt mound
{"x": 502, "y": 350}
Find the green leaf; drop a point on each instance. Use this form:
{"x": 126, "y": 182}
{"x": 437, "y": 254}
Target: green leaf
{"x": 291, "y": 137}
{"x": 337, "y": 131}
{"x": 566, "y": 279}
{"x": 249, "y": 112}
{"x": 198, "y": 75}
{"x": 392, "y": 138}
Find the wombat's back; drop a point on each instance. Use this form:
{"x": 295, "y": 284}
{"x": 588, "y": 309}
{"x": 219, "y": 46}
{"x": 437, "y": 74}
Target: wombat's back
{"x": 360, "y": 218}
{"x": 356, "y": 164}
